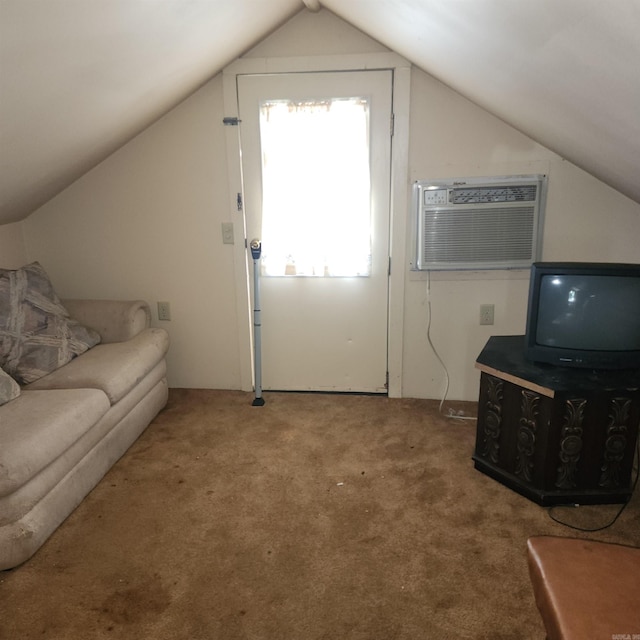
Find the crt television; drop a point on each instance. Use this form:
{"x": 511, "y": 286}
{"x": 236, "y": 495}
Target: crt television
{"x": 584, "y": 315}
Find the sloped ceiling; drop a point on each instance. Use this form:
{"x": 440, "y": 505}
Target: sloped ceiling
{"x": 79, "y": 78}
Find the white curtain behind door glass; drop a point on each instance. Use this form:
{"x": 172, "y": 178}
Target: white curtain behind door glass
{"x": 316, "y": 188}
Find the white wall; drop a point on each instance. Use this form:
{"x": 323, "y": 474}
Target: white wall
{"x": 13, "y": 253}
{"x": 146, "y": 223}
{"x": 585, "y": 220}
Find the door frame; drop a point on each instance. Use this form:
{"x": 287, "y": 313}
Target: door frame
{"x": 399, "y": 201}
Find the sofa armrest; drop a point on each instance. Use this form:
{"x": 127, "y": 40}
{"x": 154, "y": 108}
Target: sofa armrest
{"x": 114, "y": 320}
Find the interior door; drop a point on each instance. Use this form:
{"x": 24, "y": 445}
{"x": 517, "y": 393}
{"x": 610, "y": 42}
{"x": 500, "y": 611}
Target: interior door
{"x": 324, "y": 312}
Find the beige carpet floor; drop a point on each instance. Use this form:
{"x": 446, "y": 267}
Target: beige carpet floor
{"x": 315, "y": 517}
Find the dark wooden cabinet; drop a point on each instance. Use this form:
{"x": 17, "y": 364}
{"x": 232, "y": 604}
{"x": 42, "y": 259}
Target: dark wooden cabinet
{"x": 556, "y": 435}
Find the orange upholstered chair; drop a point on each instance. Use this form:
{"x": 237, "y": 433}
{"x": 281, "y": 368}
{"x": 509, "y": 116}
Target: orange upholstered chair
{"x": 585, "y": 590}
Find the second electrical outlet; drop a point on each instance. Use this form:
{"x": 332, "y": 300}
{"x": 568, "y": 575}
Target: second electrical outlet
{"x": 486, "y": 313}
{"x": 164, "y": 311}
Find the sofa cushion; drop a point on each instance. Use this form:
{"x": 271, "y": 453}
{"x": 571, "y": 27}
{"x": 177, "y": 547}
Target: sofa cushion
{"x": 114, "y": 368}
{"x": 36, "y": 333}
{"x": 9, "y": 388}
{"x": 39, "y": 426}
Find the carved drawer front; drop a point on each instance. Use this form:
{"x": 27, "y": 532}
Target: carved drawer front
{"x": 490, "y": 449}
{"x": 527, "y": 430}
{"x": 615, "y": 446}
{"x": 570, "y": 443}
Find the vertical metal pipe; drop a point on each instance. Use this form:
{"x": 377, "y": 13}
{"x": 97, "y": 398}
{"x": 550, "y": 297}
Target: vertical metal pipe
{"x": 256, "y": 250}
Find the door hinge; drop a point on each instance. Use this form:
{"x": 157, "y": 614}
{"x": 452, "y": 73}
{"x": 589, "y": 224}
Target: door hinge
{"x": 239, "y": 201}
{"x": 231, "y": 121}
{"x": 392, "y": 125}
{"x": 389, "y": 265}
{"x": 386, "y": 381}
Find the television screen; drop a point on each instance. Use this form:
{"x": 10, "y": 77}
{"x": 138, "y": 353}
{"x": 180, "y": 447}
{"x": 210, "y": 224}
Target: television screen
{"x": 584, "y": 315}
{"x": 589, "y": 312}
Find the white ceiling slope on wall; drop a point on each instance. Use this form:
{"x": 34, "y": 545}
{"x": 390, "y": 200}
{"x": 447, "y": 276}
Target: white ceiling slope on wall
{"x": 564, "y": 72}
{"x": 78, "y": 79}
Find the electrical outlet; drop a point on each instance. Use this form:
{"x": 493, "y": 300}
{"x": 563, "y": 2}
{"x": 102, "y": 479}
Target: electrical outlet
{"x": 227, "y": 233}
{"x": 164, "y": 311}
{"x": 486, "y": 313}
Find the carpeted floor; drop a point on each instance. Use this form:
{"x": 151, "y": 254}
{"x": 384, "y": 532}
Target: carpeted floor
{"x": 315, "y": 517}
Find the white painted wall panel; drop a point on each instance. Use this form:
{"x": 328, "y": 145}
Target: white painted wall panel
{"x": 146, "y": 223}
{"x": 13, "y": 253}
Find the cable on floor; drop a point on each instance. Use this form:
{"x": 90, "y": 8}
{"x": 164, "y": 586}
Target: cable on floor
{"x": 451, "y": 413}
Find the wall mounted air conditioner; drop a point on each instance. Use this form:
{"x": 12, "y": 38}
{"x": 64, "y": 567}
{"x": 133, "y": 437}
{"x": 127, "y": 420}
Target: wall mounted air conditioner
{"x": 479, "y": 223}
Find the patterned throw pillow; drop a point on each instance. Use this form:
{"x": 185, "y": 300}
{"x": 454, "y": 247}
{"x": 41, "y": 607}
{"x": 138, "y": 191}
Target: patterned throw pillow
{"x": 36, "y": 333}
{"x": 9, "y": 388}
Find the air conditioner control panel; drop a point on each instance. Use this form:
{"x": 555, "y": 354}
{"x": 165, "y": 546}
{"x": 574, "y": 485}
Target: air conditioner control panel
{"x": 435, "y": 196}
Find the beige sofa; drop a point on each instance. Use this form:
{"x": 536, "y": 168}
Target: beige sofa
{"x": 64, "y": 431}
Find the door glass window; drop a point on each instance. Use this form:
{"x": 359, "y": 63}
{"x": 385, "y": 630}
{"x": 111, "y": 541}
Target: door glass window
{"x": 316, "y": 188}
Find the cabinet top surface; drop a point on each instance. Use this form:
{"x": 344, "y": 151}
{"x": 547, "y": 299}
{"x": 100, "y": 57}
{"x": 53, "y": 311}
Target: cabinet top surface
{"x": 506, "y": 354}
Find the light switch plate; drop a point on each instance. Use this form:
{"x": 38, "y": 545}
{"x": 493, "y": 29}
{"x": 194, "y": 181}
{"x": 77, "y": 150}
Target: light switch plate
{"x": 227, "y": 233}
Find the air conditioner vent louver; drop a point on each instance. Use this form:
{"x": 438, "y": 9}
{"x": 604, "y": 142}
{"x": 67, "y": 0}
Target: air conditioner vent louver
{"x": 489, "y": 223}
{"x": 477, "y": 195}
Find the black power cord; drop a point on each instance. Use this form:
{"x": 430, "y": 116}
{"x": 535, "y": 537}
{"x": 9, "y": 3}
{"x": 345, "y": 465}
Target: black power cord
{"x": 622, "y": 508}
